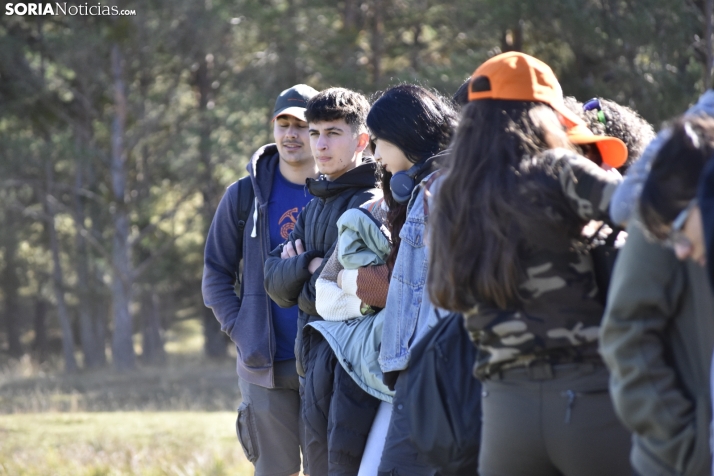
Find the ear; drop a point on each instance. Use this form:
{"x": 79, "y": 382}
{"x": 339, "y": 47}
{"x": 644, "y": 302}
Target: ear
{"x": 362, "y": 142}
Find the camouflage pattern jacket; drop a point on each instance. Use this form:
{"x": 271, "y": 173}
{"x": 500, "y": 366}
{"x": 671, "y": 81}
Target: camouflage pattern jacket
{"x": 558, "y": 315}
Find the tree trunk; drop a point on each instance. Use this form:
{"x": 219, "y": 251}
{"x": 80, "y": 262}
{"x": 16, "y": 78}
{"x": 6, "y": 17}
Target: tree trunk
{"x": 377, "y": 41}
{"x": 153, "y": 344}
{"x": 122, "y": 345}
{"x": 214, "y": 343}
{"x": 353, "y": 22}
{"x": 287, "y": 48}
{"x": 100, "y": 310}
{"x": 58, "y": 278}
{"x": 86, "y": 328}
{"x": 512, "y": 39}
{"x": 39, "y": 346}
{"x": 10, "y": 285}
{"x": 350, "y": 14}
{"x": 98, "y": 294}
{"x": 417, "y": 47}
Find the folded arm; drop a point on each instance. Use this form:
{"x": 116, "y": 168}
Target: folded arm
{"x": 285, "y": 276}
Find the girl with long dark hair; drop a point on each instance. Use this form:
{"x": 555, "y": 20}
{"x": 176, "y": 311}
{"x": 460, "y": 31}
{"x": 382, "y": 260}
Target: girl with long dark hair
{"x": 506, "y": 250}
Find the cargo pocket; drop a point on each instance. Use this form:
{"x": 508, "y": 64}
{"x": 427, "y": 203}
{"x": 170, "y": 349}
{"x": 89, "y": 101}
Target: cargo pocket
{"x": 245, "y": 429}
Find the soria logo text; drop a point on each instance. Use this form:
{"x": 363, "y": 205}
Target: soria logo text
{"x": 64, "y": 9}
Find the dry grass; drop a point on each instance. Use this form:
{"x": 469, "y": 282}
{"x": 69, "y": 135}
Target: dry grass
{"x": 176, "y": 419}
{"x": 187, "y": 382}
{"x": 183, "y": 384}
{"x": 121, "y": 443}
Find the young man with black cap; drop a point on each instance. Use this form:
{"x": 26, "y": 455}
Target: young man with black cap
{"x": 269, "y": 425}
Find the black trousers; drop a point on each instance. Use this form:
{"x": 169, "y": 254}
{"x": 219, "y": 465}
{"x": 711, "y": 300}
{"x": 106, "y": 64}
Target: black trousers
{"x": 337, "y": 413}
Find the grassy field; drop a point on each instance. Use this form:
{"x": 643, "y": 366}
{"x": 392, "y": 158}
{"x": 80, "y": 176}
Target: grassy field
{"x": 175, "y": 419}
{"x": 185, "y": 383}
{"x": 121, "y": 443}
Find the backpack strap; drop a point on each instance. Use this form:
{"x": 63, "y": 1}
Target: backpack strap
{"x": 246, "y": 195}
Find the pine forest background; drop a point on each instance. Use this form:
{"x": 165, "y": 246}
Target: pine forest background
{"x": 118, "y": 135}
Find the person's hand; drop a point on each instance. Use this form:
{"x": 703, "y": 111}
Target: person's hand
{"x": 339, "y": 278}
{"x": 314, "y": 264}
{"x": 591, "y": 228}
{"x": 290, "y": 252}
{"x": 611, "y": 170}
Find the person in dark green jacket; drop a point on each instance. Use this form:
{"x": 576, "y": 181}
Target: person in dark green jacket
{"x": 657, "y": 335}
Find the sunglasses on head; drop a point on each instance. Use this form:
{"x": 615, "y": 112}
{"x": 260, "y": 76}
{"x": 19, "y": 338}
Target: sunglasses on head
{"x": 594, "y": 104}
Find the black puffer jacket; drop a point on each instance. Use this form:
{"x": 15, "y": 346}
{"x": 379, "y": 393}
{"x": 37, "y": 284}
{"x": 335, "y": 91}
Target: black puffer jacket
{"x": 288, "y": 281}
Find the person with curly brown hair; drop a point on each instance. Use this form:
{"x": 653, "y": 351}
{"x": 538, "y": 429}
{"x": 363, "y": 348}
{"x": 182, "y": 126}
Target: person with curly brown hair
{"x": 607, "y": 118}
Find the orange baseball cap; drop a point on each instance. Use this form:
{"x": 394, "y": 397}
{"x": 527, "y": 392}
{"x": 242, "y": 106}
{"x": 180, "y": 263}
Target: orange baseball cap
{"x": 517, "y": 76}
{"x": 612, "y": 149}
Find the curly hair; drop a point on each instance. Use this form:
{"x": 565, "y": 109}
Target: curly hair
{"x": 621, "y": 122}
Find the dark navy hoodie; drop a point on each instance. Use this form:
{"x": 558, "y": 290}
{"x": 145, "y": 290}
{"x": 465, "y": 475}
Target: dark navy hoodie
{"x": 247, "y": 320}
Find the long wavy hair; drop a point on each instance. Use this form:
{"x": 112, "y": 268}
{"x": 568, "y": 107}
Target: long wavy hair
{"x": 420, "y": 122}
{"x": 479, "y": 218}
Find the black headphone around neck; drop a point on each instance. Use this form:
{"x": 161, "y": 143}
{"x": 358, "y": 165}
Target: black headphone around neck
{"x": 402, "y": 184}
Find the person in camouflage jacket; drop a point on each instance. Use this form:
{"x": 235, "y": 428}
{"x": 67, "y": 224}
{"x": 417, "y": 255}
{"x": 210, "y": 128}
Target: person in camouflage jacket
{"x": 507, "y": 250}
{"x": 559, "y": 313}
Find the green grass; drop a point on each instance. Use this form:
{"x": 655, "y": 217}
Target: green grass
{"x": 121, "y": 443}
{"x": 175, "y": 419}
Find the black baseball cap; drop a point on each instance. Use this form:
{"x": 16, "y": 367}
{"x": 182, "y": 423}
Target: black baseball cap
{"x": 293, "y": 101}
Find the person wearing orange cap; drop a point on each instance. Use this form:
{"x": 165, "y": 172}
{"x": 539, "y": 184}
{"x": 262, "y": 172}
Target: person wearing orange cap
{"x": 506, "y": 250}
{"x": 607, "y": 152}
{"x": 604, "y": 117}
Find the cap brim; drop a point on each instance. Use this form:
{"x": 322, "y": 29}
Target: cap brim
{"x": 612, "y": 149}
{"x": 297, "y": 112}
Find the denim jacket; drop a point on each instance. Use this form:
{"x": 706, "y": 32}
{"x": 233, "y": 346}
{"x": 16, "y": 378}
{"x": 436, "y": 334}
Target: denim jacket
{"x": 408, "y": 307}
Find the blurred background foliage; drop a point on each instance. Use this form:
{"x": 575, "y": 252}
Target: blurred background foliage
{"x": 119, "y": 134}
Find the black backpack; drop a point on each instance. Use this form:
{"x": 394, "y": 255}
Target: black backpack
{"x": 442, "y": 398}
{"x": 246, "y": 196}
{"x": 245, "y": 203}
{"x": 604, "y": 255}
